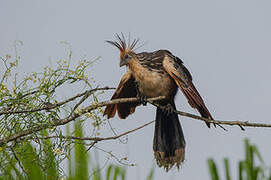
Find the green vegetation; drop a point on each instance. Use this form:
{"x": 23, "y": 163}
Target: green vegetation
{"x": 78, "y": 167}
{"x": 247, "y": 168}
{"x": 34, "y": 143}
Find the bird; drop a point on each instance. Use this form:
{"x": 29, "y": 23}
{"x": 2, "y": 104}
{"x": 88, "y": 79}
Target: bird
{"x": 153, "y": 74}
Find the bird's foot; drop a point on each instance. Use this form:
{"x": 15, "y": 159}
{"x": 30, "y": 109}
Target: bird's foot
{"x": 143, "y": 99}
{"x": 168, "y": 109}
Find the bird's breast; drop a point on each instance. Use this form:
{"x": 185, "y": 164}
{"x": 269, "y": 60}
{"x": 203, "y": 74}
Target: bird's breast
{"x": 153, "y": 83}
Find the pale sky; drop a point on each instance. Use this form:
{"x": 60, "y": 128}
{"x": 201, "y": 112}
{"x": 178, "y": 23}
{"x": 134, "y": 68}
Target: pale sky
{"x": 224, "y": 44}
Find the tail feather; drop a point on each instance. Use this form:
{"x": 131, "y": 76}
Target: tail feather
{"x": 168, "y": 142}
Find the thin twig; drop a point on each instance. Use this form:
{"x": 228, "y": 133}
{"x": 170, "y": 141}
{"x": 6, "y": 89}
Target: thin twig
{"x": 91, "y": 145}
{"x": 18, "y": 160}
{"x": 115, "y": 133}
{"x": 30, "y": 93}
{"x": 96, "y": 139}
{"x": 114, "y": 156}
{"x": 52, "y": 106}
{"x": 180, "y": 113}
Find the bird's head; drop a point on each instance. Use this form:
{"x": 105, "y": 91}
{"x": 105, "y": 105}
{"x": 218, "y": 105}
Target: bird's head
{"x": 126, "y": 50}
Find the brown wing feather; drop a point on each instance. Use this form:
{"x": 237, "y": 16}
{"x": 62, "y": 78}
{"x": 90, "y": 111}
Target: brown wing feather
{"x": 126, "y": 89}
{"x": 183, "y": 79}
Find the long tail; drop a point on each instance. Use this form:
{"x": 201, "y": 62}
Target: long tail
{"x": 168, "y": 142}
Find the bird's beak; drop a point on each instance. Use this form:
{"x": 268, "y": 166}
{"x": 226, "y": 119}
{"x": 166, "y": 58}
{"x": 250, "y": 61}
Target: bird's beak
{"x": 123, "y": 63}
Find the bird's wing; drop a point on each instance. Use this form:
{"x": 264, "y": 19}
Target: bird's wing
{"x": 126, "y": 89}
{"x": 175, "y": 68}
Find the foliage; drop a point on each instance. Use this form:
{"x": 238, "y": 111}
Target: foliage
{"x": 247, "y": 168}
{"x": 31, "y": 106}
{"x": 33, "y": 142}
{"x": 78, "y": 164}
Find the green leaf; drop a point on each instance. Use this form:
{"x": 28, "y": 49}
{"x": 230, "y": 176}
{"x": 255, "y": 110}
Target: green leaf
{"x": 108, "y": 172}
{"x": 29, "y": 161}
{"x": 73, "y": 79}
{"x": 96, "y": 174}
{"x": 151, "y": 173}
{"x": 51, "y": 167}
{"x": 11, "y": 167}
{"x": 116, "y": 172}
{"x": 68, "y": 133}
{"x": 256, "y": 151}
{"x": 249, "y": 161}
{"x": 213, "y": 169}
{"x": 257, "y": 172}
{"x": 81, "y": 155}
{"x": 241, "y": 169}
{"x": 123, "y": 173}
{"x": 227, "y": 169}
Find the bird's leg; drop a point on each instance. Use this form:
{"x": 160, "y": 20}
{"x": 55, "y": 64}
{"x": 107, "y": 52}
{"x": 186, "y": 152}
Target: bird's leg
{"x": 168, "y": 109}
{"x": 143, "y": 99}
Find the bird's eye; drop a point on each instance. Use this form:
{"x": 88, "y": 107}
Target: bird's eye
{"x": 126, "y": 56}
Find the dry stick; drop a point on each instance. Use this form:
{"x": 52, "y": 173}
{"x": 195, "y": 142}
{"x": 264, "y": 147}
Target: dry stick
{"x": 52, "y": 106}
{"x": 180, "y": 113}
{"x": 96, "y": 139}
{"x": 230, "y": 123}
{"x": 117, "y": 101}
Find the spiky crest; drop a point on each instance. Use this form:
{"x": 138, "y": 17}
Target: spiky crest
{"x": 121, "y": 44}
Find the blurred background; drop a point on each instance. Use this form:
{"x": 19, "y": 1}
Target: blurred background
{"x": 224, "y": 44}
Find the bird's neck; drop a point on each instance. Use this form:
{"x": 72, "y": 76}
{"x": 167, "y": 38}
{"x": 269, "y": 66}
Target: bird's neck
{"x": 137, "y": 69}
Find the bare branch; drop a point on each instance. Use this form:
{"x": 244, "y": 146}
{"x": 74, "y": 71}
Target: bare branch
{"x": 96, "y": 139}
{"x": 230, "y": 123}
{"x": 71, "y": 117}
{"x": 52, "y": 106}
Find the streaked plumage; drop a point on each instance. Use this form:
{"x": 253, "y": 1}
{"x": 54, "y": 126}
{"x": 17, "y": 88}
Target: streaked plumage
{"x": 153, "y": 74}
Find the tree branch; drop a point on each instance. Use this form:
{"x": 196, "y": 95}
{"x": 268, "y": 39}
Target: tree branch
{"x": 71, "y": 117}
{"x": 52, "y": 106}
{"x": 96, "y": 139}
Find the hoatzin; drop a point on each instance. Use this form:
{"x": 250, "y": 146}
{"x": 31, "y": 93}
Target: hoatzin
{"x": 153, "y": 74}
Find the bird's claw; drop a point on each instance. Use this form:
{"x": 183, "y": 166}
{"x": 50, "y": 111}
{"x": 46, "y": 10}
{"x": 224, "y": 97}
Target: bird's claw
{"x": 143, "y": 99}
